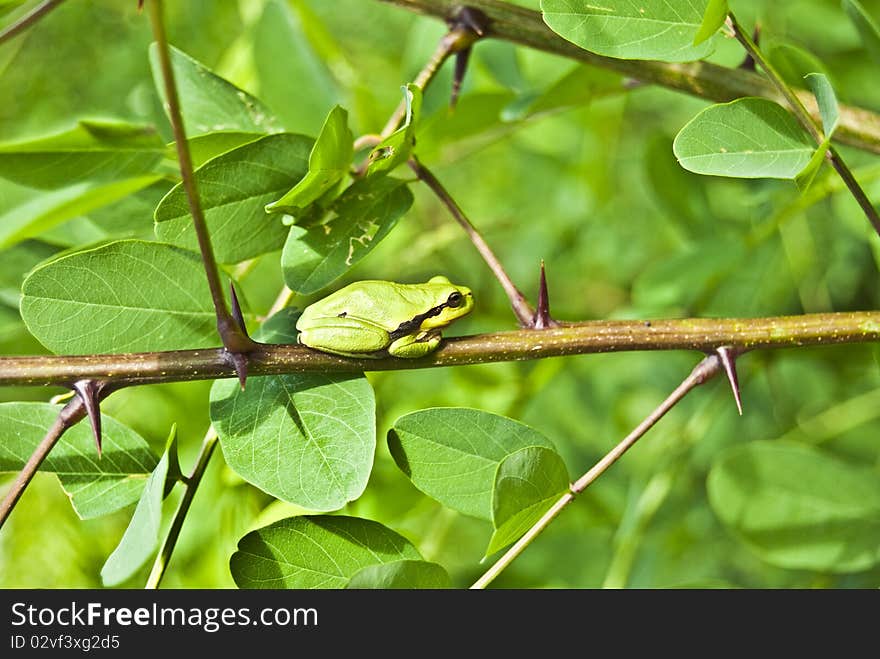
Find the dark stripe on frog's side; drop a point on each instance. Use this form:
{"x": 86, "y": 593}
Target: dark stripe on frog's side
{"x": 408, "y": 327}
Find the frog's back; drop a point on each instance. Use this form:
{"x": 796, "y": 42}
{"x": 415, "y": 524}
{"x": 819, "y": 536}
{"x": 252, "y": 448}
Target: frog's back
{"x": 374, "y": 302}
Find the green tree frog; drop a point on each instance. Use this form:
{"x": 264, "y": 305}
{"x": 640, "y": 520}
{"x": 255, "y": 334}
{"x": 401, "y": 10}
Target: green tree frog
{"x": 379, "y": 318}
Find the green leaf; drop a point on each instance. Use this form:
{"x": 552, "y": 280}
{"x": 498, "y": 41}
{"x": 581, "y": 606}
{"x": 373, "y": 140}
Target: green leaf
{"x": 329, "y": 163}
{"x": 452, "y": 454}
{"x": 305, "y": 438}
{"x": 96, "y": 486}
{"x": 808, "y": 174}
{"x": 141, "y": 537}
{"x": 294, "y": 81}
{"x": 527, "y": 483}
{"x": 92, "y": 151}
{"x": 234, "y": 189}
{"x": 826, "y": 99}
{"x": 648, "y": 29}
{"x": 405, "y": 574}
{"x": 131, "y": 216}
{"x": 124, "y": 296}
{"x": 208, "y": 102}
{"x": 397, "y": 147}
{"x": 746, "y": 138}
{"x": 797, "y": 507}
{"x": 308, "y": 439}
{"x": 280, "y": 327}
{"x": 203, "y": 148}
{"x": 315, "y": 552}
{"x": 713, "y": 19}
{"x": 316, "y": 255}
{"x": 830, "y": 114}
{"x": 866, "y": 25}
{"x": 53, "y": 208}
{"x": 792, "y": 62}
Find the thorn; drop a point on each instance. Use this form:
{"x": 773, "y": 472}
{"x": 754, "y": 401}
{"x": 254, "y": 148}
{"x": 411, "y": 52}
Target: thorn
{"x": 239, "y": 362}
{"x": 542, "y": 318}
{"x": 236, "y": 310}
{"x": 461, "y": 61}
{"x": 472, "y": 19}
{"x": 467, "y": 26}
{"x": 728, "y": 356}
{"x": 748, "y": 64}
{"x": 89, "y": 392}
{"x": 140, "y": 5}
{"x": 235, "y": 337}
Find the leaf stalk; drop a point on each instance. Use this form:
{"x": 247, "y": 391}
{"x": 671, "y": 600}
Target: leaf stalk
{"x": 806, "y": 120}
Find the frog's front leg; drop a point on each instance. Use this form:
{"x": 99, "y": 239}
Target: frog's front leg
{"x": 415, "y": 345}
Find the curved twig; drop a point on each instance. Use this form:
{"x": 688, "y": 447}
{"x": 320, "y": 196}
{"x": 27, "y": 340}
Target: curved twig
{"x": 67, "y": 417}
{"x": 858, "y": 127}
{"x": 702, "y": 372}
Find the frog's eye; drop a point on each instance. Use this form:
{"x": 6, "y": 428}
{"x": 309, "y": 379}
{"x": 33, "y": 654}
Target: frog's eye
{"x": 454, "y": 299}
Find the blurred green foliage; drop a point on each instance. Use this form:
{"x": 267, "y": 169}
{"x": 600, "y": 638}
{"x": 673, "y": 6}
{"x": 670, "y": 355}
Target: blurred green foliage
{"x": 594, "y": 190}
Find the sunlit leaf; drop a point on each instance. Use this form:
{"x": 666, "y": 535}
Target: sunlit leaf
{"x": 792, "y": 62}
{"x": 404, "y": 574}
{"x": 316, "y": 255}
{"x": 306, "y": 438}
{"x": 453, "y": 454}
{"x": 96, "y": 485}
{"x": 92, "y": 151}
{"x": 746, "y": 138}
{"x": 234, "y": 189}
{"x": 52, "y": 208}
{"x": 203, "y": 148}
{"x": 208, "y": 102}
{"x": 826, "y": 99}
{"x": 713, "y": 19}
{"x": 648, "y": 29}
{"x": 141, "y": 537}
{"x": 830, "y": 114}
{"x": 124, "y": 296}
{"x": 397, "y": 147}
{"x": 293, "y": 79}
{"x": 329, "y": 163}
{"x": 527, "y": 483}
{"x": 315, "y": 552}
